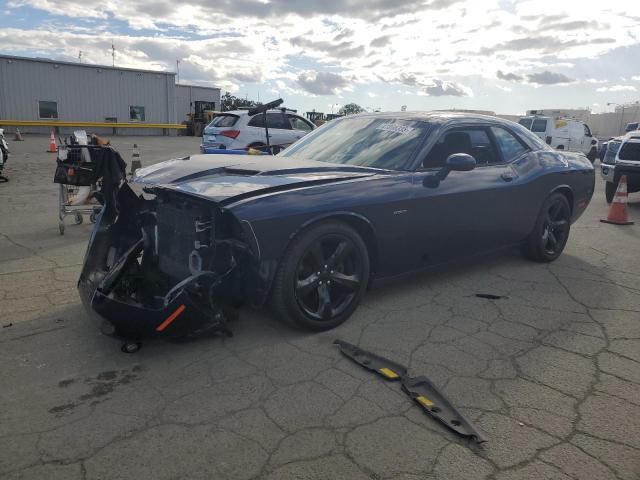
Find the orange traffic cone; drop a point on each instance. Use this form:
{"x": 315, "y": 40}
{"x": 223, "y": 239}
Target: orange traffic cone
{"x": 53, "y": 148}
{"x": 18, "y": 136}
{"x": 618, "y": 211}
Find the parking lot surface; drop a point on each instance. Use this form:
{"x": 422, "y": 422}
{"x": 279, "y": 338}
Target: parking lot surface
{"x": 549, "y": 372}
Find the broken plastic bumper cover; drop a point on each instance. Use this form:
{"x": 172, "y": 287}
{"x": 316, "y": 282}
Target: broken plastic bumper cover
{"x": 176, "y": 314}
{"x": 420, "y": 389}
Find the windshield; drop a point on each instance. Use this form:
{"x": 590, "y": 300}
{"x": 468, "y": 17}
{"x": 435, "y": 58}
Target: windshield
{"x": 612, "y": 149}
{"x": 526, "y": 122}
{"x": 362, "y": 141}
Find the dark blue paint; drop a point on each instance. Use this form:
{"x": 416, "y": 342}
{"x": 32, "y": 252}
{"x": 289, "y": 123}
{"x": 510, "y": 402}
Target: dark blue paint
{"x": 413, "y": 226}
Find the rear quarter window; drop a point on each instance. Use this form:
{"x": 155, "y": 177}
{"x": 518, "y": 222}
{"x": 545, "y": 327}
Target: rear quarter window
{"x": 224, "y": 121}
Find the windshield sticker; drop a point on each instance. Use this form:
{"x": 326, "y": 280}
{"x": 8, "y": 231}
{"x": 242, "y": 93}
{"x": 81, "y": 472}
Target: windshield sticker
{"x": 392, "y": 127}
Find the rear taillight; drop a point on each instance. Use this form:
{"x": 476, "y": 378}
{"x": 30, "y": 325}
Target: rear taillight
{"x": 230, "y": 133}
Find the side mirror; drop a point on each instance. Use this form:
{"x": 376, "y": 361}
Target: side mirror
{"x": 458, "y": 162}
{"x": 594, "y": 142}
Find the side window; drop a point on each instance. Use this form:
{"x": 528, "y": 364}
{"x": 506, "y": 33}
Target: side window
{"x": 587, "y": 131}
{"x": 539, "y": 125}
{"x": 472, "y": 141}
{"x": 256, "y": 121}
{"x": 278, "y": 120}
{"x": 508, "y": 144}
{"x": 299, "y": 124}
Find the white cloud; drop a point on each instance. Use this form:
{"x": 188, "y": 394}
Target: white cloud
{"x": 617, "y": 88}
{"x": 323, "y": 83}
{"x": 441, "y": 88}
{"x": 636, "y": 78}
{"x": 433, "y": 47}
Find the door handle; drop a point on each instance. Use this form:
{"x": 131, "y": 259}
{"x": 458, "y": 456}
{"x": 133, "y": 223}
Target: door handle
{"x": 507, "y": 177}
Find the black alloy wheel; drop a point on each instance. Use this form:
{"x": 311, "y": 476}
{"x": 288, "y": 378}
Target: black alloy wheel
{"x": 322, "y": 277}
{"x": 551, "y": 232}
{"x": 328, "y": 278}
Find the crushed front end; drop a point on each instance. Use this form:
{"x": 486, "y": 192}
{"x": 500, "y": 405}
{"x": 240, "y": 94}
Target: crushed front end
{"x": 163, "y": 262}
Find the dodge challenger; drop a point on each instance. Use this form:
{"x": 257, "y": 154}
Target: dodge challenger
{"x": 308, "y": 231}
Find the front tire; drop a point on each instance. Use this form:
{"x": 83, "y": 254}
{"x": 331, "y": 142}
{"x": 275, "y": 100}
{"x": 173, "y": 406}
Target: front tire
{"x": 322, "y": 277}
{"x": 550, "y": 234}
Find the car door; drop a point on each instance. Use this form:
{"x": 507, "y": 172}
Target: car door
{"x": 280, "y": 132}
{"x": 587, "y": 138}
{"x": 468, "y": 212}
{"x": 300, "y": 126}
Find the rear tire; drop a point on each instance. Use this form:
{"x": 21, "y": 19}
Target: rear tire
{"x": 322, "y": 277}
{"x": 550, "y": 234}
{"x": 610, "y": 191}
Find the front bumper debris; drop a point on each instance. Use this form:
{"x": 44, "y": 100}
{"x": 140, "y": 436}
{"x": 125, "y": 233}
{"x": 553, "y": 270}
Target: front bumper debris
{"x": 420, "y": 389}
{"x": 175, "y": 315}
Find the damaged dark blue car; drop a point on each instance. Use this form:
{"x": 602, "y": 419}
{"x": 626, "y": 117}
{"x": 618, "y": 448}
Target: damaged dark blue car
{"x": 362, "y": 198}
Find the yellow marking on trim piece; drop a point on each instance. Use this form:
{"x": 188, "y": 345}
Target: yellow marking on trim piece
{"x": 389, "y": 373}
{"x": 425, "y": 402}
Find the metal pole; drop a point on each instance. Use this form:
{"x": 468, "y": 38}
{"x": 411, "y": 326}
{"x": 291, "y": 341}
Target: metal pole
{"x": 266, "y": 130}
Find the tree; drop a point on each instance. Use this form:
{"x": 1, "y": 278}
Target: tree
{"x": 230, "y": 102}
{"x": 351, "y": 109}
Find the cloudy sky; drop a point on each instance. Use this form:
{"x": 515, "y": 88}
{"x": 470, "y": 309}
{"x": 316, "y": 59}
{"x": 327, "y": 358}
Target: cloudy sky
{"x": 502, "y": 55}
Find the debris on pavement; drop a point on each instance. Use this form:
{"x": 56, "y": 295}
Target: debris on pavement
{"x": 420, "y": 389}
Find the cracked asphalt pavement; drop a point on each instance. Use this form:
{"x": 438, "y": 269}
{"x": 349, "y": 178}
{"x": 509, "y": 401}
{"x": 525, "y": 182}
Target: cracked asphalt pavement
{"x": 550, "y": 373}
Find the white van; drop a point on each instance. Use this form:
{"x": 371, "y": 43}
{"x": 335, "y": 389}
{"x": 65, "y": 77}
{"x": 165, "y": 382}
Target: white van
{"x": 563, "y": 134}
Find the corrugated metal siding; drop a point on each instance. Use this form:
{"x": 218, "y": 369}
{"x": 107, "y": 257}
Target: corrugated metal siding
{"x": 84, "y": 93}
{"x": 185, "y": 94}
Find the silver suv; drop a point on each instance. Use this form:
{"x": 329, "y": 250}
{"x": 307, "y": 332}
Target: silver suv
{"x": 237, "y": 129}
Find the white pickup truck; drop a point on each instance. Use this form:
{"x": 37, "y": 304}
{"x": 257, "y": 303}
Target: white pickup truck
{"x": 563, "y": 134}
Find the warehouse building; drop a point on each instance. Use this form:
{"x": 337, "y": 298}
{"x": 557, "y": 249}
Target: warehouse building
{"x": 43, "y": 89}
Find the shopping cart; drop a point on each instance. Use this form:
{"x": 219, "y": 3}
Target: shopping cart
{"x": 78, "y": 183}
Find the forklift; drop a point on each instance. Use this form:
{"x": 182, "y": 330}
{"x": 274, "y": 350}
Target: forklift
{"x": 203, "y": 113}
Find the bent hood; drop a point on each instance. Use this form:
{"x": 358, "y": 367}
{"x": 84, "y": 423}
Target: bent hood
{"x": 225, "y": 177}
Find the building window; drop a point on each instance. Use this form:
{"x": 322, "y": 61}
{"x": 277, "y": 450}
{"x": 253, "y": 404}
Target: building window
{"x": 47, "y": 109}
{"x": 136, "y": 113}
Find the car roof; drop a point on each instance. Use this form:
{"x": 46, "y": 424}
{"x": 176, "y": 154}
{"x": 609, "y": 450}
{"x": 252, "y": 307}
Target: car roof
{"x": 246, "y": 112}
{"x": 439, "y": 117}
{"x": 633, "y": 135}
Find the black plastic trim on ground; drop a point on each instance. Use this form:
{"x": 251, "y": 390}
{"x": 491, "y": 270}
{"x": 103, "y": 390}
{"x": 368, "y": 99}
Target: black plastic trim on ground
{"x": 419, "y": 389}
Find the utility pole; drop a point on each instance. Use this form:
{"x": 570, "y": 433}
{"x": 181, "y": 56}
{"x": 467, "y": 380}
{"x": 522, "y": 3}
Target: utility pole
{"x": 80, "y": 56}
{"x": 178, "y": 69}
{"x": 113, "y": 54}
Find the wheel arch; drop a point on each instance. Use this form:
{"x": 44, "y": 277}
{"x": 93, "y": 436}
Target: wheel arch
{"x": 359, "y": 223}
{"x": 567, "y": 191}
